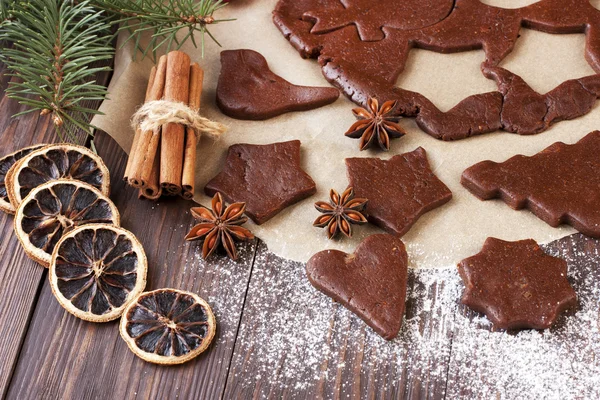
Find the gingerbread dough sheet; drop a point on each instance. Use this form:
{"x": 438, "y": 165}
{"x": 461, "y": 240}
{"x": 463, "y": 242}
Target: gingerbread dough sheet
{"x": 441, "y": 237}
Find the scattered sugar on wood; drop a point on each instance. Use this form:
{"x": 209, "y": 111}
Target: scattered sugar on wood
{"x": 294, "y": 339}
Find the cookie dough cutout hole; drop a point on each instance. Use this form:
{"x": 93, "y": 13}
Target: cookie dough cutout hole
{"x": 546, "y": 60}
{"x": 509, "y": 4}
{"x": 445, "y": 79}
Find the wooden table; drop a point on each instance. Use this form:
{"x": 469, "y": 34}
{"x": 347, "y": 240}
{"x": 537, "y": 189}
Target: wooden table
{"x": 277, "y": 336}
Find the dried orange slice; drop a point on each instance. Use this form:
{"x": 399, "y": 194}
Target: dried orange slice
{"x": 6, "y": 163}
{"x": 97, "y": 270}
{"x": 56, "y": 161}
{"x": 168, "y": 326}
{"x": 54, "y": 208}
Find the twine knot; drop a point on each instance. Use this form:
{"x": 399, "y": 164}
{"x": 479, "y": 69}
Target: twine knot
{"x": 154, "y": 114}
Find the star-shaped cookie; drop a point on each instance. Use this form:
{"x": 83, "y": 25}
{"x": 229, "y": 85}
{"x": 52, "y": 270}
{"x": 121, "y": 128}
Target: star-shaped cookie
{"x": 399, "y": 190}
{"x": 516, "y": 285}
{"x": 268, "y": 178}
{"x": 371, "y": 282}
{"x": 560, "y": 185}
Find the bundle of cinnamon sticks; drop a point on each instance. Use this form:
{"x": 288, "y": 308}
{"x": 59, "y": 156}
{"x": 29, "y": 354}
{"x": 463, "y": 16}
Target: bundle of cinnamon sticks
{"x": 162, "y": 161}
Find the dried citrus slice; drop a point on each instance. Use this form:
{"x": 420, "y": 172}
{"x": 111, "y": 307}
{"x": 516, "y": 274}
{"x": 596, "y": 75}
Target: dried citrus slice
{"x": 56, "y": 161}
{"x": 6, "y": 163}
{"x": 97, "y": 270}
{"x": 54, "y": 208}
{"x": 168, "y": 326}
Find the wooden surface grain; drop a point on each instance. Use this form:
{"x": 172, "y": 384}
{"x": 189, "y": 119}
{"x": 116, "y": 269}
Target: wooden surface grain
{"x": 20, "y": 278}
{"x": 277, "y": 337}
{"x": 333, "y": 353}
{"x": 100, "y": 364}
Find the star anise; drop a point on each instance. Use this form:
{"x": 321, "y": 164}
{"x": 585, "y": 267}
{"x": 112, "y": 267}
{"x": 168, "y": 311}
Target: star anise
{"x": 340, "y": 213}
{"x": 220, "y": 226}
{"x": 376, "y": 124}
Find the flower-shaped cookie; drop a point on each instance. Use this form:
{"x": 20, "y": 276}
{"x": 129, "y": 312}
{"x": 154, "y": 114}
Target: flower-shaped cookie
{"x": 516, "y": 285}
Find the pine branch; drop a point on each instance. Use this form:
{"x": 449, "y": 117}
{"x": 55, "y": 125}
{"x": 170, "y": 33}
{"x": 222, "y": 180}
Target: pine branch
{"x": 5, "y": 12}
{"x": 162, "y": 19}
{"x": 55, "y": 45}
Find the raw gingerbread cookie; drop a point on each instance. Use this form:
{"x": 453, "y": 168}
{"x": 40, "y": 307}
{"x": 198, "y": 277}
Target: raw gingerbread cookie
{"x": 516, "y": 285}
{"x": 247, "y": 89}
{"x": 268, "y": 178}
{"x": 371, "y": 282}
{"x": 363, "y": 46}
{"x": 399, "y": 190}
{"x": 560, "y": 185}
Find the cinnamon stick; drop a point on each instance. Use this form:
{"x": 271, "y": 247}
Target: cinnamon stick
{"x": 191, "y": 140}
{"x": 135, "y": 149}
{"x": 152, "y": 190}
{"x": 148, "y": 140}
{"x": 173, "y": 135}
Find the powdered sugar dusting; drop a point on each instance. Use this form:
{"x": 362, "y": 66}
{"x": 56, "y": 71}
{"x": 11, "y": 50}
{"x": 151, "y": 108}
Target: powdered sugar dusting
{"x": 220, "y": 281}
{"x": 295, "y": 341}
{"x": 419, "y": 256}
{"x": 560, "y": 363}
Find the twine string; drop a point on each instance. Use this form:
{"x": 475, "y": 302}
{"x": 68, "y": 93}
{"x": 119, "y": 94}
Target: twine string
{"x": 154, "y": 114}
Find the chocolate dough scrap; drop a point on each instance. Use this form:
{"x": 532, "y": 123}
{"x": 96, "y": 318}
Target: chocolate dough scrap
{"x": 526, "y": 112}
{"x": 371, "y": 282}
{"x": 268, "y": 178}
{"x": 362, "y": 49}
{"x": 399, "y": 190}
{"x": 516, "y": 285}
{"x": 247, "y": 89}
{"x": 560, "y": 185}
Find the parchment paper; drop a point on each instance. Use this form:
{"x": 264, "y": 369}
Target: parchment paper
{"x": 440, "y": 238}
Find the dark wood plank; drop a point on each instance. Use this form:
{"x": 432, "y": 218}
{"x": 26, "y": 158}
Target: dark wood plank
{"x": 64, "y": 357}
{"x": 561, "y": 363}
{"x": 296, "y": 343}
{"x": 20, "y": 277}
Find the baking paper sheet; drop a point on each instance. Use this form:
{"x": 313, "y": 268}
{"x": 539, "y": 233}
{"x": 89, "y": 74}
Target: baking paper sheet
{"x": 440, "y": 238}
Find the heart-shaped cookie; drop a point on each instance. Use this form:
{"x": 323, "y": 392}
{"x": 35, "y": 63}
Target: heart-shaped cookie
{"x": 371, "y": 282}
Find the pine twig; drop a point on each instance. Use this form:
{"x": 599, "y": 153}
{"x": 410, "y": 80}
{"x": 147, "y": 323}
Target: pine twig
{"x": 163, "y": 19}
{"x": 5, "y": 14}
{"x": 55, "y": 45}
